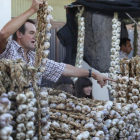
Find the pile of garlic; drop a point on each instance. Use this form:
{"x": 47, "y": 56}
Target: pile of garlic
{"x": 115, "y": 67}
{"x": 80, "y": 41}
{"x": 18, "y": 102}
{"x": 5, "y": 118}
{"x": 81, "y": 119}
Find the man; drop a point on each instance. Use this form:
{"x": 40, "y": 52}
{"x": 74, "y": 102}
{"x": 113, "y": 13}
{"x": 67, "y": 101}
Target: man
{"x": 125, "y": 48}
{"x": 24, "y": 42}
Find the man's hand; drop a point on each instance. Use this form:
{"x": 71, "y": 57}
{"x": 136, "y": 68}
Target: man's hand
{"x": 36, "y": 4}
{"x": 102, "y": 80}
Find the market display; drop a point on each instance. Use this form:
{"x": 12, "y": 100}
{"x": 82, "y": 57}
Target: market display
{"x": 31, "y": 112}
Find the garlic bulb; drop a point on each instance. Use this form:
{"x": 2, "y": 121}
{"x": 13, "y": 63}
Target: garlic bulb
{"x": 21, "y": 98}
{"x": 12, "y": 95}
{"x": 22, "y": 108}
{"x": 89, "y": 126}
{"x": 85, "y": 109}
{"x": 46, "y": 45}
{"x": 5, "y": 105}
{"x": 52, "y": 105}
{"x": 20, "y": 136}
{"x": 99, "y": 116}
{"x": 60, "y": 106}
{"x": 29, "y": 134}
{"x": 21, "y": 127}
{"x": 100, "y": 134}
{"x": 5, "y": 132}
{"x": 45, "y": 128}
{"x": 62, "y": 95}
{"x": 47, "y": 137}
{"x": 65, "y": 127}
{"x": 29, "y": 95}
{"x": 83, "y": 135}
{"x": 20, "y": 118}
{"x": 43, "y": 95}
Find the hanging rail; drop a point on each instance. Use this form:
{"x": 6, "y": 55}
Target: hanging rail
{"x": 133, "y": 20}
{"x": 71, "y": 6}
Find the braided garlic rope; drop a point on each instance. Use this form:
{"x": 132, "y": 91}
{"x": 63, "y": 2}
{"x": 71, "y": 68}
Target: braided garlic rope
{"x": 80, "y": 41}
{"x": 115, "y": 64}
{"x": 42, "y": 44}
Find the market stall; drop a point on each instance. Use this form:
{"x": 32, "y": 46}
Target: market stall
{"x": 28, "y": 111}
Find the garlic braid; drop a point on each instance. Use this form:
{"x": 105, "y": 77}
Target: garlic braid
{"x": 42, "y": 44}
{"x": 115, "y": 62}
{"x": 80, "y": 41}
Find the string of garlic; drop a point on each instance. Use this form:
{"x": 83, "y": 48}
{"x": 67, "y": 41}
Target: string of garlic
{"x": 31, "y": 114}
{"x": 26, "y": 112}
{"x": 80, "y": 40}
{"x": 45, "y": 125}
{"x": 122, "y": 83}
{"x": 13, "y": 111}
{"x": 42, "y": 44}
{"x": 44, "y": 18}
{"x": 5, "y": 118}
{"x": 115, "y": 66}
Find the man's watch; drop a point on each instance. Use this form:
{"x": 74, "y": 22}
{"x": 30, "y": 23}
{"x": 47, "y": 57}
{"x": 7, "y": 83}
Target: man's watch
{"x": 90, "y": 70}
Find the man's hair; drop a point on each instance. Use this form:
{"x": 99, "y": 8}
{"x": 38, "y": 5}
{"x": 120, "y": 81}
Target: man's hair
{"x": 22, "y": 29}
{"x": 123, "y": 41}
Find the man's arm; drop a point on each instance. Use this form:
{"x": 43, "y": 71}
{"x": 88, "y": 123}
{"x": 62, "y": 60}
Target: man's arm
{"x": 13, "y": 25}
{"x": 72, "y": 71}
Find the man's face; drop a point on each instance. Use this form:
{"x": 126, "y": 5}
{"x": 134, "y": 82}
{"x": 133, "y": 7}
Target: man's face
{"x": 27, "y": 40}
{"x": 128, "y": 48}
